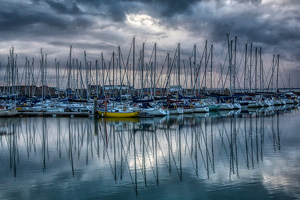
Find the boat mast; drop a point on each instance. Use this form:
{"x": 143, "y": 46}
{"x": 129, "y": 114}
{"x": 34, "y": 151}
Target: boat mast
{"x": 151, "y": 75}
{"x": 139, "y": 74}
{"x": 58, "y": 77}
{"x": 103, "y": 72}
{"x": 42, "y": 71}
{"x": 211, "y": 65}
{"x": 12, "y": 71}
{"x": 260, "y": 71}
{"x": 45, "y": 74}
{"x": 185, "y": 91}
{"x": 26, "y": 73}
{"x": 56, "y": 74}
{"x": 32, "y": 72}
{"x": 8, "y": 75}
{"x": 250, "y": 68}
{"x": 255, "y": 80}
{"x": 234, "y": 67}
{"x": 90, "y": 78}
{"x": 97, "y": 85}
{"x": 231, "y": 67}
{"x": 178, "y": 63}
{"x": 273, "y": 66}
{"x": 229, "y": 60}
{"x": 17, "y": 77}
{"x": 195, "y": 71}
{"x": 81, "y": 80}
{"x": 262, "y": 75}
{"x": 277, "y": 71}
{"x": 77, "y": 77}
{"x": 205, "y": 66}
{"x": 119, "y": 63}
{"x": 143, "y": 57}
{"x": 133, "y": 62}
{"x": 113, "y": 59}
{"x": 191, "y": 71}
{"x": 28, "y": 79}
{"x": 87, "y": 77}
{"x": 69, "y": 70}
{"x": 154, "y": 90}
{"x": 245, "y": 73}
{"x": 168, "y": 74}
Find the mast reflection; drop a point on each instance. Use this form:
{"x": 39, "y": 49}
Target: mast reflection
{"x": 145, "y": 151}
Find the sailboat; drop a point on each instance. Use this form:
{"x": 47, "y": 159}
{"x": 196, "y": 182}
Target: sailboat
{"x": 120, "y": 111}
{"x": 114, "y": 113}
{"x": 153, "y": 110}
{"x": 7, "y": 112}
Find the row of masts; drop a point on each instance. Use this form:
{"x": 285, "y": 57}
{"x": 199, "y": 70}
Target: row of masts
{"x": 145, "y": 77}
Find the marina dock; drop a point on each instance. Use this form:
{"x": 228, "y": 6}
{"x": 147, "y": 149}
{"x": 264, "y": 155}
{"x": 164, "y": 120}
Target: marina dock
{"x": 53, "y": 114}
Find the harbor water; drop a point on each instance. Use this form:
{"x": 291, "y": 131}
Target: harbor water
{"x": 253, "y": 154}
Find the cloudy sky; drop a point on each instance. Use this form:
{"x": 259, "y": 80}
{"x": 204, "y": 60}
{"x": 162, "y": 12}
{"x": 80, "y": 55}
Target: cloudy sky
{"x": 102, "y": 25}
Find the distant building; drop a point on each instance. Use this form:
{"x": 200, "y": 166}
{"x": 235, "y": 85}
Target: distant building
{"x": 108, "y": 89}
{"x": 175, "y": 88}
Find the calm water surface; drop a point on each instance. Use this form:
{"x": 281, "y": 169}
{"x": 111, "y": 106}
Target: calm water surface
{"x": 227, "y": 155}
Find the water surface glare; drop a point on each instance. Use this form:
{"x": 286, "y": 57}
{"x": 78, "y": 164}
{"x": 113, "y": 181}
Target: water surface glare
{"x": 225, "y": 155}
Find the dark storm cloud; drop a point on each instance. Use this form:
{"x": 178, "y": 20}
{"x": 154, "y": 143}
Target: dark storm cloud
{"x": 275, "y": 30}
{"x": 270, "y": 25}
{"x": 14, "y": 21}
{"x": 118, "y": 8}
{"x": 63, "y": 9}
{"x": 249, "y": 1}
{"x": 169, "y": 8}
{"x": 254, "y": 27}
{"x": 115, "y": 10}
{"x": 103, "y": 24}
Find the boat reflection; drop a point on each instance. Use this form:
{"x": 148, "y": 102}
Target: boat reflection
{"x": 117, "y": 120}
{"x": 143, "y": 150}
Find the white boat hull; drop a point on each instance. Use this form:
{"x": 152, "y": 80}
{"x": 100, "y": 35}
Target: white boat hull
{"x": 267, "y": 103}
{"x": 202, "y": 109}
{"x": 237, "y": 106}
{"x": 260, "y": 104}
{"x": 277, "y": 103}
{"x": 7, "y": 113}
{"x": 252, "y": 104}
{"x": 226, "y": 106}
{"x": 288, "y": 101}
{"x": 155, "y": 112}
{"x": 187, "y": 110}
{"x": 173, "y": 111}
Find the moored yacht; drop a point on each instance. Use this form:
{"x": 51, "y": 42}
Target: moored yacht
{"x": 226, "y": 106}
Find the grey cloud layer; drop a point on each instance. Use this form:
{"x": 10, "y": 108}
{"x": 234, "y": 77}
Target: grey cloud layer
{"x": 93, "y": 24}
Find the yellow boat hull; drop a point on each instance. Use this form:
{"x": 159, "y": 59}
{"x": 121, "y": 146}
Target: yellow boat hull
{"x": 118, "y": 114}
